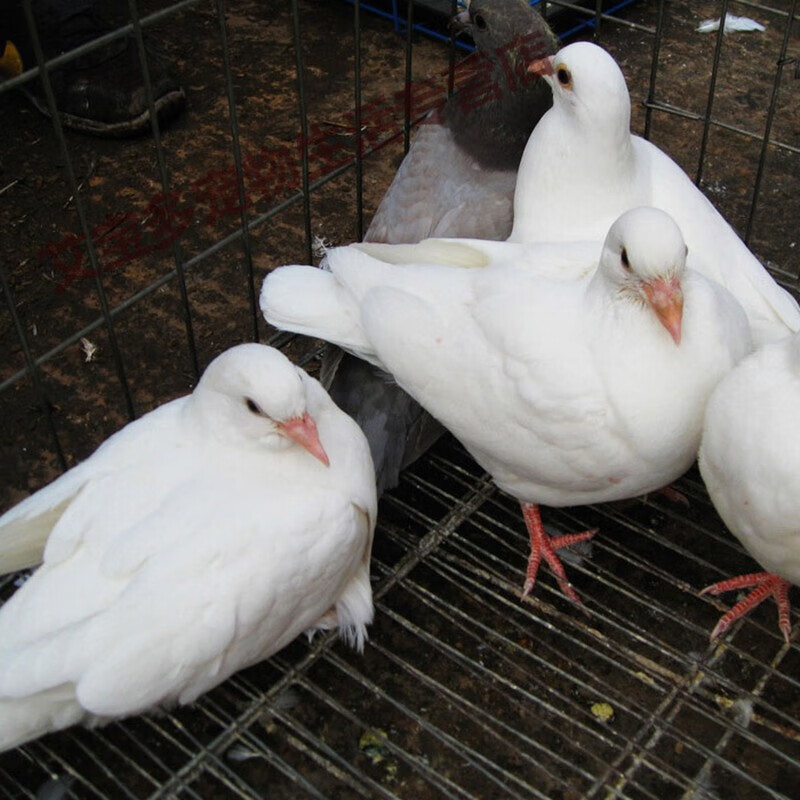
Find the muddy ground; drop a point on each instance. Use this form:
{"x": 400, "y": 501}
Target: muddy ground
{"x": 51, "y": 280}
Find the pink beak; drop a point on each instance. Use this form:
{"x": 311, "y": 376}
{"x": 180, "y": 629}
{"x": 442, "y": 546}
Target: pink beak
{"x": 666, "y": 299}
{"x": 303, "y": 431}
{"x": 541, "y": 66}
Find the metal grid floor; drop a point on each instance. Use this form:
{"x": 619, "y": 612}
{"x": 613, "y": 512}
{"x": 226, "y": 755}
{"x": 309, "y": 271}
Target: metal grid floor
{"x": 464, "y": 691}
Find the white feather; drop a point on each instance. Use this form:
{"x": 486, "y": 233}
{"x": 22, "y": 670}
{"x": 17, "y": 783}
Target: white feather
{"x": 563, "y": 390}
{"x": 212, "y": 548}
{"x": 750, "y": 455}
{"x": 733, "y": 24}
{"x": 582, "y": 168}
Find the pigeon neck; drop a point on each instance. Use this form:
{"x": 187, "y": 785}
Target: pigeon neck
{"x": 599, "y": 133}
{"x": 618, "y": 314}
{"x": 566, "y": 177}
{"x": 493, "y": 114}
{"x": 495, "y": 132}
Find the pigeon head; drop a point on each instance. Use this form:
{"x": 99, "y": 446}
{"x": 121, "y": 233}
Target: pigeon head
{"x": 644, "y": 259}
{"x": 492, "y": 128}
{"x": 494, "y": 24}
{"x": 587, "y": 84}
{"x": 254, "y": 393}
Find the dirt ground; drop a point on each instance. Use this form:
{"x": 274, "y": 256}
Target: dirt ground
{"x": 55, "y": 294}
{"x": 41, "y": 244}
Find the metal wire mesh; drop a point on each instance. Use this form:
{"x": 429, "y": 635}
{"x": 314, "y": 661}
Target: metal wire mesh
{"x": 463, "y": 691}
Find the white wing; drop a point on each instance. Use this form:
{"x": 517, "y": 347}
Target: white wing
{"x": 750, "y": 455}
{"x": 313, "y": 302}
{"x": 24, "y": 529}
{"x": 482, "y": 362}
{"x": 552, "y": 260}
{"x": 715, "y": 250}
{"x": 438, "y": 189}
{"x": 216, "y": 580}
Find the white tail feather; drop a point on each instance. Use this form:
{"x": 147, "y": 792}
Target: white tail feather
{"x": 26, "y": 718}
{"x": 22, "y": 540}
{"x": 428, "y": 251}
{"x": 311, "y": 301}
{"x": 355, "y": 610}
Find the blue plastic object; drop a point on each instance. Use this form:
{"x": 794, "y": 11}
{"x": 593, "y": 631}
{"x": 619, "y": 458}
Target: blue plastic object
{"x": 566, "y": 24}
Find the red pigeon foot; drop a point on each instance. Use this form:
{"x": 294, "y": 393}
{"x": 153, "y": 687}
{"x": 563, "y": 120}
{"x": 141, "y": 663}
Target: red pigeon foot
{"x": 544, "y": 545}
{"x": 766, "y": 584}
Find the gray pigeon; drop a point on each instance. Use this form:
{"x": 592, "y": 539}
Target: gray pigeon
{"x": 457, "y": 180}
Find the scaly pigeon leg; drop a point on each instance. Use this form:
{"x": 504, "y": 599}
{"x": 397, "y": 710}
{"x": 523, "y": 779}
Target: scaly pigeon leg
{"x": 544, "y": 545}
{"x": 766, "y": 584}
{"x": 673, "y": 495}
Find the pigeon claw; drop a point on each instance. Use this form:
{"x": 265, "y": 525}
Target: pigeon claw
{"x": 543, "y": 546}
{"x": 766, "y": 584}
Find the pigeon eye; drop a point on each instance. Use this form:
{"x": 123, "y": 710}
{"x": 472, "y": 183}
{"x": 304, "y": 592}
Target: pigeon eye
{"x": 624, "y": 258}
{"x": 564, "y": 77}
{"x": 480, "y": 22}
{"x": 252, "y": 406}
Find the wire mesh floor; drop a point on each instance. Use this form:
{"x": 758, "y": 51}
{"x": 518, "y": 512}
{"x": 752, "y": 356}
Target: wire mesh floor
{"x": 463, "y": 691}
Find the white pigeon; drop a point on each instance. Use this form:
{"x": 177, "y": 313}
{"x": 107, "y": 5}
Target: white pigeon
{"x": 582, "y": 168}
{"x": 566, "y": 391}
{"x": 198, "y": 540}
{"x": 750, "y": 462}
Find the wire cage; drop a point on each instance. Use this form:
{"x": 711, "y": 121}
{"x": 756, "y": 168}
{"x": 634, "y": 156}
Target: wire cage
{"x": 570, "y": 18}
{"x": 129, "y": 264}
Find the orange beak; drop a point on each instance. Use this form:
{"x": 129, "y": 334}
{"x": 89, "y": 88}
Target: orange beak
{"x": 541, "y": 66}
{"x": 303, "y": 431}
{"x": 666, "y": 299}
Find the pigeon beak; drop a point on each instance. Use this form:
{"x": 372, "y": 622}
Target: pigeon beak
{"x": 542, "y": 67}
{"x": 666, "y": 299}
{"x": 303, "y": 431}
